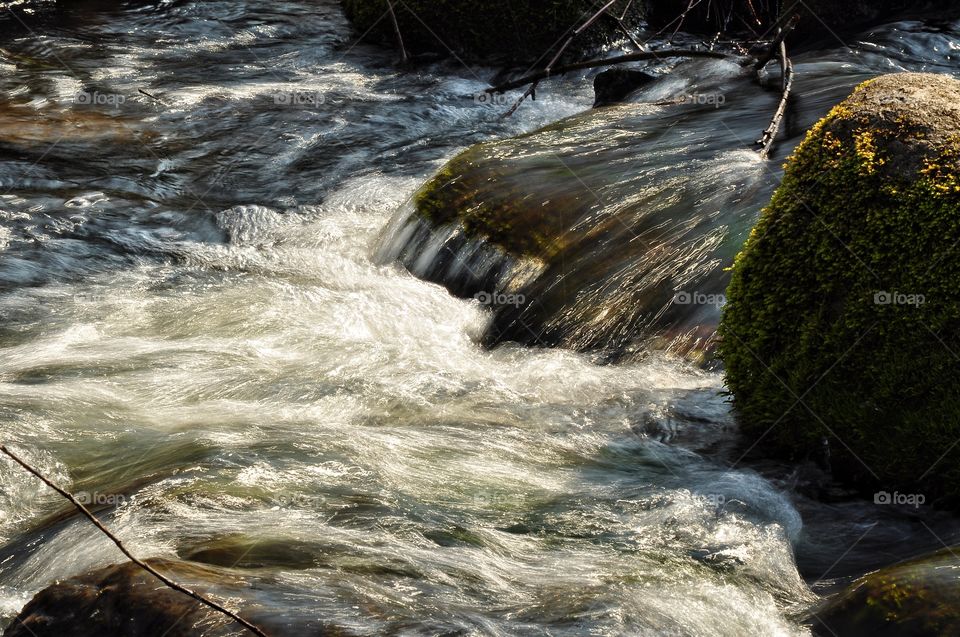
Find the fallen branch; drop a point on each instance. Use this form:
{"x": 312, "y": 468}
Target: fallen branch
{"x": 590, "y": 64}
{"x": 774, "y": 47}
{"x": 549, "y": 68}
{"x": 623, "y": 27}
{"x": 170, "y": 583}
{"x": 770, "y": 134}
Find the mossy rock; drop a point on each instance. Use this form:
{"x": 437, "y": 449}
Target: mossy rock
{"x": 842, "y": 327}
{"x": 489, "y": 31}
{"x": 918, "y": 598}
{"x": 613, "y": 236}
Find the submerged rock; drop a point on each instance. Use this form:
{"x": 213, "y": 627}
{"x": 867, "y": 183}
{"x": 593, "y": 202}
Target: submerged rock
{"x": 843, "y": 321}
{"x": 600, "y": 233}
{"x": 124, "y": 601}
{"x": 506, "y": 31}
{"x": 918, "y": 598}
{"x": 613, "y": 85}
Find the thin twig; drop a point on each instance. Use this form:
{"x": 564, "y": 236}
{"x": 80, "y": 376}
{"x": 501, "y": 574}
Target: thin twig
{"x": 623, "y": 27}
{"x": 774, "y": 47}
{"x": 169, "y": 582}
{"x": 770, "y": 134}
{"x": 150, "y": 95}
{"x": 681, "y": 18}
{"x": 626, "y": 32}
{"x": 549, "y": 68}
{"x": 589, "y": 64}
{"x": 396, "y": 28}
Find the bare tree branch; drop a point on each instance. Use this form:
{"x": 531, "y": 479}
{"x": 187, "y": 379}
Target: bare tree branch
{"x": 169, "y": 582}
{"x": 774, "y": 47}
{"x": 589, "y": 64}
{"x": 770, "y": 134}
{"x": 549, "y": 68}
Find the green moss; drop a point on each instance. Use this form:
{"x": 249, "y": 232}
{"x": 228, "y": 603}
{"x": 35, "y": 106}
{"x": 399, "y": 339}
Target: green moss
{"x": 918, "y": 597}
{"x": 809, "y": 353}
{"x": 509, "y": 31}
{"x": 460, "y": 193}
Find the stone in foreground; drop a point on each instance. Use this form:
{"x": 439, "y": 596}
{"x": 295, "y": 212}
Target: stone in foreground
{"x": 917, "y": 598}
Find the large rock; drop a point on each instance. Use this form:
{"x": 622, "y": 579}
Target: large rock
{"x": 605, "y": 232}
{"x": 842, "y": 329}
{"x": 505, "y": 31}
{"x": 124, "y": 601}
{"x": 918, "y": 598}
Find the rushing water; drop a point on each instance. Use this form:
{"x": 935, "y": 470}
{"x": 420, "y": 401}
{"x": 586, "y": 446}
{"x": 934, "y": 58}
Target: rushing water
{"x": 193, "y": 333}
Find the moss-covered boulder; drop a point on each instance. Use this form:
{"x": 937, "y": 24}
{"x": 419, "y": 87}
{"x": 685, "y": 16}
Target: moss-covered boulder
{"x": 842, "y": 329}
{"x": 490, "y": 31}
{"x": 918, "y": 598}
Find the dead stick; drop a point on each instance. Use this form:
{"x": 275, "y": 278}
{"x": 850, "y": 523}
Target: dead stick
{"x": 140, "y": 563}
{"x": 549, "y": 68}
{"x": 626, "y": 32}
{"x": 531, "y": 90}
{"x": 683, "y": 16}
{"x": 770, "y": 134}
{"x": 396, "y": 27}
{"x": 589, "y": 64}
{"x": 577, "y": 32}
{"x": 777, "y": 41}
{"x": 153, "y": 97}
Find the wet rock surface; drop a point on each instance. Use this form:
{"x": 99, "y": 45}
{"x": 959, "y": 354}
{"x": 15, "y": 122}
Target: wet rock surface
{"x": 125, "y": 601}
{"x": 918, "y": 598}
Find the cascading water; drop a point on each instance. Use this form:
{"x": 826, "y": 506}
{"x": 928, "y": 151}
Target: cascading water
{"x": 194, "y": 335}
{"x": 640, "y": 211}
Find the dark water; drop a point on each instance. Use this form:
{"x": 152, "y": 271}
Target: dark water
{"x": 194, "y": 333}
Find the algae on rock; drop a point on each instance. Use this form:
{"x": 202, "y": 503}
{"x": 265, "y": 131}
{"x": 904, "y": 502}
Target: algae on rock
{"x": 919, "y": 597}
{"x": 843, "y": 321}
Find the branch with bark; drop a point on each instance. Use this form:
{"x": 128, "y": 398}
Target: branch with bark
{"x": 769, "y": 135}
{"x": 146, "y": 567}
{"x": 590, "y": 64}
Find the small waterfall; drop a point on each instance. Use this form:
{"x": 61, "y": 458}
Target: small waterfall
{"x": 608, "y": 232}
